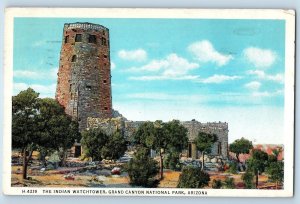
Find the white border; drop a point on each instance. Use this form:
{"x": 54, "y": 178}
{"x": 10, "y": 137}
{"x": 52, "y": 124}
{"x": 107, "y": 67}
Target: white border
{"x": 287, "y": 15}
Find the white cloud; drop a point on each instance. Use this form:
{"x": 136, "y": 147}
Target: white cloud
{"x": 205, "y": 52}
{"x": 254, "y": 85}
{"x": 260, "y": 58}
{"x": 267, "y": 93}
{"x": 112, "y": 65}
{"x": 133, "y": 55}
{"x": 44, "y": 90}
{"x": 262, "y": 75}
{"x": 25, "y": 74}
{"x": 216, "y": 79}
{"x": 171, "y": 67}
{"x": 169, "y": 97}
{"x": 43, "y": 74}
{"x": 162, "y": 77}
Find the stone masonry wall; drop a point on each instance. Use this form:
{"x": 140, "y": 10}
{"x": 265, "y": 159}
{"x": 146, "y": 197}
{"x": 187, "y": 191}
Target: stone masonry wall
{"x": 220, "y": 148}
{"x": 84, "y": 78}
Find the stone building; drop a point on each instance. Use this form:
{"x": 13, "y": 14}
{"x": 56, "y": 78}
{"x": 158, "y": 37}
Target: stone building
{"x": 84, "y": 79}
{"x": 219, "y": 149}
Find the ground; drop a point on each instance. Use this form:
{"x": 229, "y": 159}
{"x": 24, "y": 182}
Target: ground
{"x": 85, "y": 177}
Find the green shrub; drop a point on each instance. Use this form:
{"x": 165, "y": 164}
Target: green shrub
{"x": 172, "y": 161}
{"x": 248, "y": 179}
{"x": 216, "y": 184}
{"x": 229, "y": 183}
{"x": 233, "y": 167}
{"x": 142, "y": 169}
{"x": 193, "y": 177}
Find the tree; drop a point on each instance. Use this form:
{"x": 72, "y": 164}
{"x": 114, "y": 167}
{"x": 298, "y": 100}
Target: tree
{"x": 193, "y": 177}
{"x": 115, "y": 146}
{"x": 204, "y": 142}
{"x": 93, "y": 141}
{"x": 247, "y": 177}
{"x": 98, "y": 145}
{"x": 58, "y": 131}
{"x": 25, "y": 108}
{"x": 39, "y": 124}
{"x": 257, "y": 163}
{"x": 162, "y": 137}
{"x": 142, "y": 169}
{"x": 275, "y": 170}
{"x": 240, "y": 146}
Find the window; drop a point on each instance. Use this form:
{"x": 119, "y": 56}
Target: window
{"x": 104, "y": 81}
{"x": 105, "y": 56}
{"x": 103, "y": 41}
{"x": 74, "y": 58}
{"x": 78, "y": 38}
{"x": 88, "y": 87}
{"x": 92, "y": 39}
{"x": 105, "y": 108}
{"x": 219, "y": 148}
{"x": 67, "y": 39}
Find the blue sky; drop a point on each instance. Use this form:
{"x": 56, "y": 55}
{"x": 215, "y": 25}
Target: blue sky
{"x": 210, "y": 70}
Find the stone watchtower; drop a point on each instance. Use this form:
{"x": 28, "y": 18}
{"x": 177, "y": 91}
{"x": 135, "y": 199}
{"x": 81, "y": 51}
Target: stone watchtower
{"x": 84, "y": 79}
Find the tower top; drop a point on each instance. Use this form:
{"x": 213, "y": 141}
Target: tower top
{"x": 85, "y": 26}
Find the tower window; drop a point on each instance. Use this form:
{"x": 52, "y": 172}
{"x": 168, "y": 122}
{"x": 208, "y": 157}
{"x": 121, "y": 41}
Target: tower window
{"x": 67, "y": 39}
{"x": 88, "y": 87}
{"x": 74, "y": 58}
{"x": 92, "y": 39}
{"x": 219, "y": 148}
{"x": 78, "y": 38}
{"x": 103, "y": 41}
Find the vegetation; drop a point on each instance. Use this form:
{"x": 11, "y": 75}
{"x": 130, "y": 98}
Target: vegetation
{"x": 172, "y": 161}
{"x": 233, "y": 167}
{"x": 193, "y": 177}
{"x": 40, "y": 124}
{"x": 98, "y": 145}
{"x": 217, "y": 184}
{"x": 257, "y": 163}
{"x": 247, "y": 177}
{"x": 165, "y": 138}
{"x": 276, "y": 172}
{"x": 229, "y": 183}
{"x": 115, "y": 147}
{"x": 204, "y": 142}
{"x": 142, "y": 169}
{"x": 240, "y": 146}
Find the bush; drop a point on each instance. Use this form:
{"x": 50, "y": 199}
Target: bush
{"x": 248, "y": 179}
{"x": 142, "y": 169}
{"x": 172, "y": 161}
{"x": 233, "y": 168}
{"x": 193, "y": 177}
{"x": 229, "y": 183}
{"x": 216, "y": 184}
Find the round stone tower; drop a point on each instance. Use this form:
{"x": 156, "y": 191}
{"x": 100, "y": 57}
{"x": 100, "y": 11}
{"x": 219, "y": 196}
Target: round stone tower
{"x": 84, "y": 79}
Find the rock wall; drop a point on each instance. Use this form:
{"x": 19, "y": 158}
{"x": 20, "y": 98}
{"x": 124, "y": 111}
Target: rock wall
{"x": 220, "y": 148}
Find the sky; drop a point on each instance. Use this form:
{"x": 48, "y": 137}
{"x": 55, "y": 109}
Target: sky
{"x": 162, "y": 69}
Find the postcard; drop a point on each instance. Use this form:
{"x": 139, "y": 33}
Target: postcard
{"x": 149, "y": 102}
